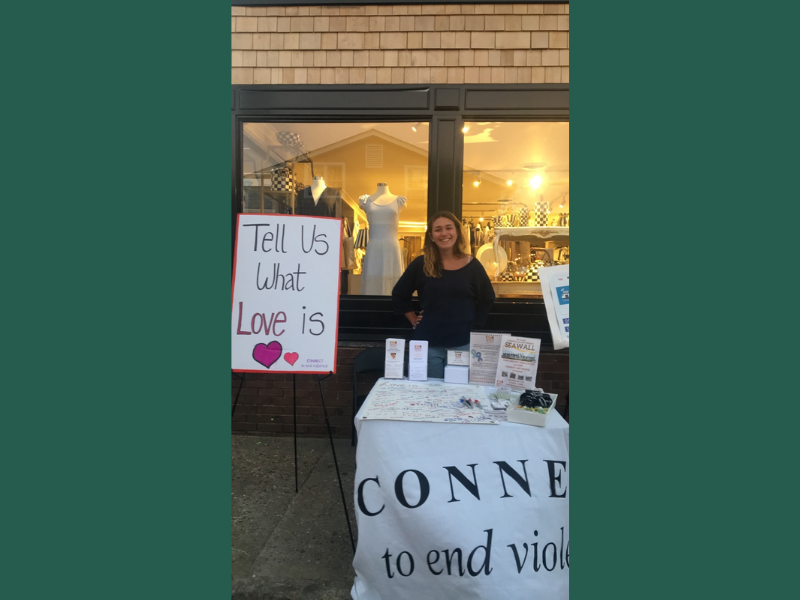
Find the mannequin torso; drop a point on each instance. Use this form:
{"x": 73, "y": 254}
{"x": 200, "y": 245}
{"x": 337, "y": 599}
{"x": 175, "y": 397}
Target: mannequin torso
{"x": 382, "y": 196}
{"x": 318, "y": 186}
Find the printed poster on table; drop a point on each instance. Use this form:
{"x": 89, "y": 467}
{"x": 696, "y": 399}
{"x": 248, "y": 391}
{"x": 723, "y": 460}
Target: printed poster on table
{"x": 449, "y": 513}
{"x": 285, "y": 307}
{"x": 519, "y": 360}
{"x": 484, "y": 352}
{"x": 555, "y": 289}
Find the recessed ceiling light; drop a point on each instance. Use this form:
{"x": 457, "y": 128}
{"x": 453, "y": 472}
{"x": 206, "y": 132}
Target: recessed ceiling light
{"x": 534, "y": 166}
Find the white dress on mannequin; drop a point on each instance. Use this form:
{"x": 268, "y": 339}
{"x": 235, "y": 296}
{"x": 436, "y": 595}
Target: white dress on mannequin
{"x": 383, "y": 263}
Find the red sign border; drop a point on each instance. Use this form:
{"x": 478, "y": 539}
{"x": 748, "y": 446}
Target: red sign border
{"x": 338, "y": 295}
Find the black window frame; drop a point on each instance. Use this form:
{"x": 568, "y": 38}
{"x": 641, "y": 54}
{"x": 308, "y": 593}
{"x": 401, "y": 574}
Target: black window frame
{"x": 446, "y": 107}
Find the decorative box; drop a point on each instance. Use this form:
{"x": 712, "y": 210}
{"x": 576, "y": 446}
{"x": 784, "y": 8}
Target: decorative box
{"x": 527, "y": 416}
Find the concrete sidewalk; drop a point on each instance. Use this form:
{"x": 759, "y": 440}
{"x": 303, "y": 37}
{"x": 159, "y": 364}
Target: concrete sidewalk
{"x": 287, "y": 546}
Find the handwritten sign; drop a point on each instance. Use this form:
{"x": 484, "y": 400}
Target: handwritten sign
{"x": 285, "y": 310}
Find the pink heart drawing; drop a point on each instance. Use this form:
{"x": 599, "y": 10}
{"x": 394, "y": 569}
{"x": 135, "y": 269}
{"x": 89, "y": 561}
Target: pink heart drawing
{"x": 267, "y": 354}
{"x": 291, "y": 357}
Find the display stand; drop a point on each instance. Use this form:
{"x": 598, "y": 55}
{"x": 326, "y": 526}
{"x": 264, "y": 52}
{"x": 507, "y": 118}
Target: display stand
{"x": 550, "y": 234}
{"x": 302, "y": 287}
{"x": 330, "y": 438}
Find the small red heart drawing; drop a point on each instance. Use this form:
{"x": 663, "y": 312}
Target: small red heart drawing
{"x": 291, "y": 357}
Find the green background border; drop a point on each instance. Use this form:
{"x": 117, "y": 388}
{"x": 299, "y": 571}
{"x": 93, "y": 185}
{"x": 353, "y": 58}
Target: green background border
{"x": 117, "y": 248}
{"x": 679, "y": 413}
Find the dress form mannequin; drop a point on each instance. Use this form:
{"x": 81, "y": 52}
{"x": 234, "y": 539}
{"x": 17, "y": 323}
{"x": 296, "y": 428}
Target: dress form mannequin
{"x": 382, "y": 196}
{"x": 318, "y": 186}
{"x": 383, "y": 263}
{"x": 319, "y": 200}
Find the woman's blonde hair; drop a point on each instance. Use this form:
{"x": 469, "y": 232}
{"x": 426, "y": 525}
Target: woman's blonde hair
{"x": 433, "y": 259}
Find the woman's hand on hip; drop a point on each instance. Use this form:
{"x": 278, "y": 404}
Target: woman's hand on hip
{"x": 414, "y": 318}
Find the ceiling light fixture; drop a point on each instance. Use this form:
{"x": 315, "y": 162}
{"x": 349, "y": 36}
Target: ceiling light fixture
{"x": 534, "y": 166}
{"x": 414, "y": 127}
{"x": 509, "y": 182}
{"x": 465, "y": 129}
{"x": 535, "y": 182}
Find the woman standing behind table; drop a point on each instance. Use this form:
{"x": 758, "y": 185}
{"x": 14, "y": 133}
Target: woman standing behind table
{"x": 454, "y": 291}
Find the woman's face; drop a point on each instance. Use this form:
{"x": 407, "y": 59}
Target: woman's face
{"x": 444, "y": 234}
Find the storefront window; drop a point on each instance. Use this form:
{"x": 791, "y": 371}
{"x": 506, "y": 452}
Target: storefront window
{"x": 374, "y": 176}
{"x": 516, "y": 200}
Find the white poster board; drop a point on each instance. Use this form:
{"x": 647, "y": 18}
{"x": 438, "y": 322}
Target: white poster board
{"x": 285, "y": 308}
{"x": 555, "y": 289}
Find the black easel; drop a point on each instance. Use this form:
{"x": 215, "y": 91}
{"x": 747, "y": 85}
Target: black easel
{"x": 335, "y": 461}
{"x": 330, "y": 437}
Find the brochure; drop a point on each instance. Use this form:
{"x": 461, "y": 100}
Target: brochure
{"x": 395, "y": 349}
{"x": 418, "y": 360}
{"x": 519, "y": 359}
{"x": 555, "y": 289}
{"x": 484, "y": 352}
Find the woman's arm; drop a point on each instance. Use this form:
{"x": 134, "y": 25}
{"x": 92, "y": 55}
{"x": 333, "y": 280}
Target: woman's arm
{"x": 414, "y": 318}
{"x": 484, "y": 295}
{"x": 403, "y": 291}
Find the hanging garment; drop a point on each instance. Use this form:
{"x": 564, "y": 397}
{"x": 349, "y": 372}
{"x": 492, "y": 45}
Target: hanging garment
{"x": 383, "y": 263}
{"x": 465, "y": 229}
{"x": 328, "y": 205}
{"x": 362, "y": 238}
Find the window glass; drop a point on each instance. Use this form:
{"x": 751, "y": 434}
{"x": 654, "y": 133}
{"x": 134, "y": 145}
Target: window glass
{"x": 516, "y": 200}
{"x": 374, "y": 176}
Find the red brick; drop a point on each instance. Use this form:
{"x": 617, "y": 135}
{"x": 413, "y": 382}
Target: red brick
{"x": 269, "y": 427}
{"x": 248, "y": 392}
{"x": 273, "y": 392}
{"x": 254, "y": 383}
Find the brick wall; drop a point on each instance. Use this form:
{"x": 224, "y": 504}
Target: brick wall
{"x": 264, "y": 406}
{"x": 445, "y": 43}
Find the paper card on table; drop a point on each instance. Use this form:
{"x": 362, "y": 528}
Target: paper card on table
{"x": 484, "y": 350}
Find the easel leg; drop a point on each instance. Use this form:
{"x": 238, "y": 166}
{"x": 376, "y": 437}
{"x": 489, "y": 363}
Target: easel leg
{"x": 294, "y": 401}
{"x": 336, "y": 462}
{"x": 239, "y": 391}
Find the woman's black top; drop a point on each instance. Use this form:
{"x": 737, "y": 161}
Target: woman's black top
{"x": 453, "y": 303}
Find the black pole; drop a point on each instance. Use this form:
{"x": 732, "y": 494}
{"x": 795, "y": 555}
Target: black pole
{"x": 294, "y": 399}
{"x": 235, "y": 402}
{"x": 336, "y": 462}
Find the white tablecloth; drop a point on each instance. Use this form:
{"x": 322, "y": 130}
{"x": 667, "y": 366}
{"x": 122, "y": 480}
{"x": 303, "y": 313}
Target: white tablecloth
{"x": 461, "y": 511}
